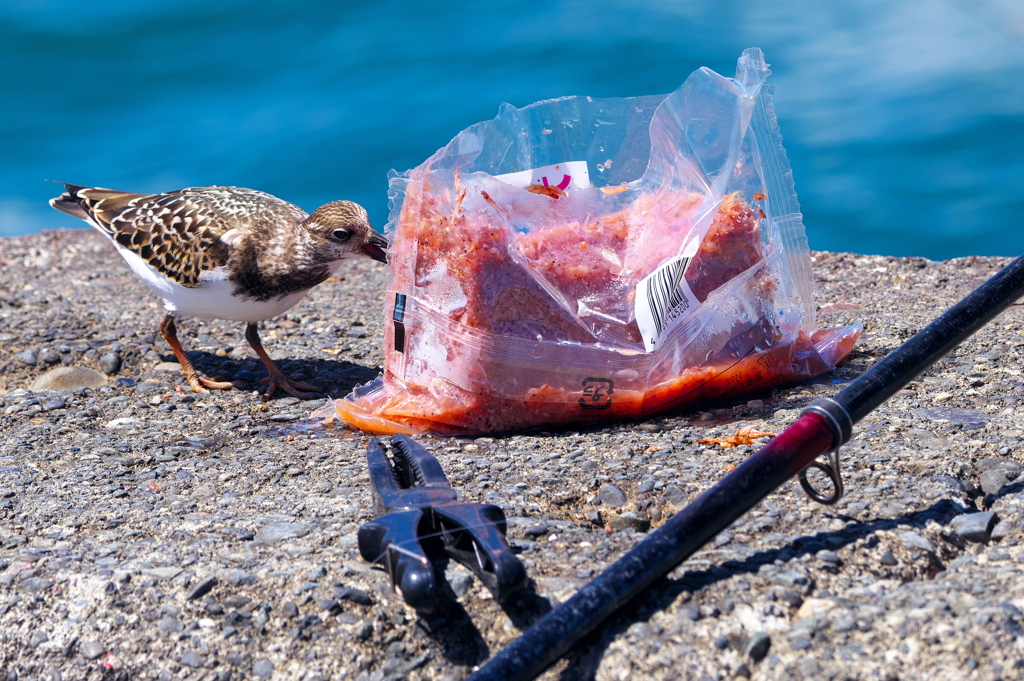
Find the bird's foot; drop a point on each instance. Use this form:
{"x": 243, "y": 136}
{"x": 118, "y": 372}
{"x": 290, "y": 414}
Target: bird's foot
{"x": 298, "y": 389}
{"x": 204, "y": 385}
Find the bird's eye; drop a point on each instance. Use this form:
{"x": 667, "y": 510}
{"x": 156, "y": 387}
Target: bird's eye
{"x": 341, "y": 234}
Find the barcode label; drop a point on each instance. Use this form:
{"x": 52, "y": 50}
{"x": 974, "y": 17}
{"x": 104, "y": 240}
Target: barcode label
{"x": 663, "y": 298}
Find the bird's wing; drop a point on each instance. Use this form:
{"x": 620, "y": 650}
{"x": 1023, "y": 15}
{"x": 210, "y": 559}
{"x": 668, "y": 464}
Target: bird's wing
{"x": 180, "y": 234}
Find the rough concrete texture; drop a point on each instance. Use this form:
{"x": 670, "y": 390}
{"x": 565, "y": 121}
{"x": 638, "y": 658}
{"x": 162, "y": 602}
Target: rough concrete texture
{"x": 150, "y": 533}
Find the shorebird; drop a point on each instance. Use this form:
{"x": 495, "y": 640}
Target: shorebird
{"x": 226, "y": 253}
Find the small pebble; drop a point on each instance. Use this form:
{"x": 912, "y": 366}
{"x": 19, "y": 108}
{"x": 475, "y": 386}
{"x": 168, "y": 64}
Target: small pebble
{"x": 800, "y": 643}
{"x": 352, "y": 594}
{"x": 309, "y": 621}
{"x": 90, "y": 650}
{"x": 1002, "y": 529}
{"x": 844, "y": 623}
{"x": 674, "y": 495}
{"x": 331, "y": 606}
{"x": 790, "y": 579}
{"x": 610, "y": 495}
{"x": 974, "y": 527}
{"x": 278, "y": 532}
{"x": 170, "y": 625}
{"x": 236, "y": 577}
{"x": 630, "y": 521}
{"x": 29, "y": 357}
{"x": 537, "y": 530}
{"x": 201, "y": 588}
{"x": 913, "y": 540}
{"x": 190, "y": 659}
{"x": 758, "y": 645}
{"x": 110, "y": 363}
{"x": 262, "y": 668}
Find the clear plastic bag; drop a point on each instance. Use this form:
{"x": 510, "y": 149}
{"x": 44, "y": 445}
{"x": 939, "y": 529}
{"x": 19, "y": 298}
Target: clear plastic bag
{"x": 585, "y": 259}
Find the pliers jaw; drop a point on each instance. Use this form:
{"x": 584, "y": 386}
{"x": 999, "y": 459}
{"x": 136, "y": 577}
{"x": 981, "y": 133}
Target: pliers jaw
{"x": 474, "y": 535}
{"x": 392, "y": 542}
{"x": 412, "y": 478}
{"x": 419, "y": 514}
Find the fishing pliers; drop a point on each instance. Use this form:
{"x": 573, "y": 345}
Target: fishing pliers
{"x": 419, "y": 517}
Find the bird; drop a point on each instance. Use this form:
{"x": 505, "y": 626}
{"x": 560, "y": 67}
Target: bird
{"x": 226, "y": 253}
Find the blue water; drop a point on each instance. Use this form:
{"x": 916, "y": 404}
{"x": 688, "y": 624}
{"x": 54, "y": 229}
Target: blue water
{"x": 904, "y": 121}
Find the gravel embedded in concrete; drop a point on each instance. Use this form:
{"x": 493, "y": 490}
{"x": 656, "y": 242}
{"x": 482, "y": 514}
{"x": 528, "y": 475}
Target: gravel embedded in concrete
{"x": 148, "y": 532}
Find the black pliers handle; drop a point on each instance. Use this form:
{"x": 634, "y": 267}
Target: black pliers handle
{"x": 419, "y": 516}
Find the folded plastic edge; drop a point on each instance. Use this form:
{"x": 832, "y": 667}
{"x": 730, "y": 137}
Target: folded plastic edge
{"x": 779, "y": 185}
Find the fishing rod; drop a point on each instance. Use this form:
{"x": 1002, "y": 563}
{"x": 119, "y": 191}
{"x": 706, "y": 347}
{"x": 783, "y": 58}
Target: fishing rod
{"x": 822, "y": 428}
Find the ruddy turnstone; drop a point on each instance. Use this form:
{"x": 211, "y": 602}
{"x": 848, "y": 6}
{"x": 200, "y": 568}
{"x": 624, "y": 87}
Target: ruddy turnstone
{"x": 226, "y": 253}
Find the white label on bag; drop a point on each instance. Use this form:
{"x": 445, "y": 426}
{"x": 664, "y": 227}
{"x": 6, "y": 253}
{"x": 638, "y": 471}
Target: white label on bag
{"x": 573, "y": 174}
{"x": 663, "y": 298}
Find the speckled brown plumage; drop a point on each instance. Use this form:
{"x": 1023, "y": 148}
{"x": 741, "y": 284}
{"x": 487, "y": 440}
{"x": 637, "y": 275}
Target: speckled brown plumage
{"x": 179, "y": 233}
{"x": 226, "y": 253}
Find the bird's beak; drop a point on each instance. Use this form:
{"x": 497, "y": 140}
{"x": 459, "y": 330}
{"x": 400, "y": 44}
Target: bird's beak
{"x": 376, "y": 247}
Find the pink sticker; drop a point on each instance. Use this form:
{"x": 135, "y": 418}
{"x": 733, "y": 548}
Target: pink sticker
{"x": 577, "y": 177}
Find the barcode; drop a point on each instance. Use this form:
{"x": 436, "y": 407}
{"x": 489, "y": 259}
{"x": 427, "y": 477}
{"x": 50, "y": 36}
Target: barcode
{"x": 662, "y": 298}
{"x": 664, "y": 294}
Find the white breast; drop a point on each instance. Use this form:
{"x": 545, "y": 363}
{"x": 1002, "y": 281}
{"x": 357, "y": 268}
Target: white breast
{"x": 212, "y": 298}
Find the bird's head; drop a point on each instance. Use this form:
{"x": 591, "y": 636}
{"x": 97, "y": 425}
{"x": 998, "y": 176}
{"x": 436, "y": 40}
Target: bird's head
{"x": 344, "y": 228}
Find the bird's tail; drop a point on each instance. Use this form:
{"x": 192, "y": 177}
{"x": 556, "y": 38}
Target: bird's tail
{"x": 69, "y": 202}
{"x": 93, "y": 204}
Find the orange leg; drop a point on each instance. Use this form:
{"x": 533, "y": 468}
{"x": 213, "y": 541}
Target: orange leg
{"x": 198, "y": 383}
{"x": 276, "y": 379}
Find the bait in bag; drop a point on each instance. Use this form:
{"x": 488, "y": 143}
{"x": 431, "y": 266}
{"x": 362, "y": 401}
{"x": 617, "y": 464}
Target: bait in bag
{"x": 587, "y": 259}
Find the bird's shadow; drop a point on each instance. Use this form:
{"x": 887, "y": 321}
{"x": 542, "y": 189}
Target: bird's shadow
{"x": 334, "y": 378}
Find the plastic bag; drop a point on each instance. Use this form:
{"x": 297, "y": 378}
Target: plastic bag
{"x": 586, "y": 259}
